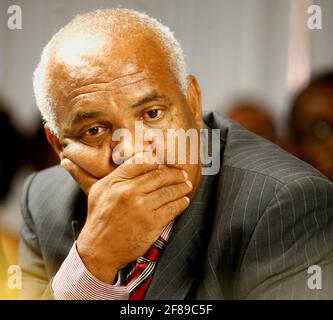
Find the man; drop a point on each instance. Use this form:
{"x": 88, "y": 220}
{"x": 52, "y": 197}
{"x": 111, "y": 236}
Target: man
{"x": 311, "y": 124}
{"x": 251, "y": 231}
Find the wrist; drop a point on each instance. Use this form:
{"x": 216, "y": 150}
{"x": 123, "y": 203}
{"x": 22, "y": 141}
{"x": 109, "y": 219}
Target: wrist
{"x": 99, "y": 269}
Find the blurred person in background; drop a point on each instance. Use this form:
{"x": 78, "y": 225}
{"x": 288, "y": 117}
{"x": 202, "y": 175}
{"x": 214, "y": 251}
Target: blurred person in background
{"x": 252, "y": 115}
{"x": 13, "y": 150}
{"x": 310, "y": 135}
{"x": 10, "y": 161}
{"x": 20, "y": 155}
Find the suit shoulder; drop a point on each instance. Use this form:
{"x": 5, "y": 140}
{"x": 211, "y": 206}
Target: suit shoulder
{"x": 48, "y": 189}
{"x": 48, "y": 180}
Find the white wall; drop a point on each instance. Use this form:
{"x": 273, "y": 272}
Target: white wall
{"x": 233, "y": 46}
{"x": 3, "y": 33}
{"x": 322, "y": 40}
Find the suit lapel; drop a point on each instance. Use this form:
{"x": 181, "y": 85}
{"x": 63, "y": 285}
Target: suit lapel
{"x": 182, "y": 258}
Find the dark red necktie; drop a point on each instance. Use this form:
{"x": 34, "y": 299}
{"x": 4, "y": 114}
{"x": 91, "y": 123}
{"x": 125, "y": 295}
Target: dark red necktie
{"x": 140, "y": 278}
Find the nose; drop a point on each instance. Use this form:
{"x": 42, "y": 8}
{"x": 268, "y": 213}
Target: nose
{"x": 122, "y": 145}
{"x": 127, "y": 142}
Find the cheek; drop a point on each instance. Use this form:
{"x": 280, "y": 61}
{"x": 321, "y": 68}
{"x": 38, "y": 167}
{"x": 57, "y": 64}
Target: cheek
{"x": 95, "y": 161}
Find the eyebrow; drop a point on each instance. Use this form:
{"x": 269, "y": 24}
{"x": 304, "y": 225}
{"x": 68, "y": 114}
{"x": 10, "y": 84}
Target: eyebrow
{"x": 81, "y": 116}
{"x": 152, "y": 96}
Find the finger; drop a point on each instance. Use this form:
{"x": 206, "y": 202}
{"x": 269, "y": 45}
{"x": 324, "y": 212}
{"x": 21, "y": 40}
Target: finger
{"x": 171, "y": 210}
{"x": 168, "y": 194}
{"x": 82, "y": 177}
{"x": 139, "y": 164}
{"x": 158, "y": 178}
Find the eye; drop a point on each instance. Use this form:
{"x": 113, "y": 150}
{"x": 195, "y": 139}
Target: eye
{"x": 94, "y": 135}
{"x": 94, "y": 131}
{"x": 154, "y": 114}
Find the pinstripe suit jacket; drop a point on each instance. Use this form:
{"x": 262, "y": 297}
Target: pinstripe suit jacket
{"x": 252, "y": 231}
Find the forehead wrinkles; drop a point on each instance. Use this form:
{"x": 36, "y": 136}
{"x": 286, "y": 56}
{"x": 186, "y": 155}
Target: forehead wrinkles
{"x": 113, "y": 86}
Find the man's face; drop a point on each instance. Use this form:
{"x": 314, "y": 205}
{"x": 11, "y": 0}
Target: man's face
{"x": 112, "y": 90}
{"x": 314, "y": 125}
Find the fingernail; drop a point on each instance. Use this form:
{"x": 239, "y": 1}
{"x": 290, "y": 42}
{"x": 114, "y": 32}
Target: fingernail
{"x": 189, "y": 183}
{"x": 185, "y": 174}
{"x": 187, "y": 199}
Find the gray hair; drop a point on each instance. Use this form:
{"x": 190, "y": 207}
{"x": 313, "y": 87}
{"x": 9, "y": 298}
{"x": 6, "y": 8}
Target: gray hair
{"x": 97, "y": 22}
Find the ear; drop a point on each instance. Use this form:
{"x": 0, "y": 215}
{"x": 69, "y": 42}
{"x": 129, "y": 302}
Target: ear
{"x": 53, "y": 140}
{"x": 194, "y": 99}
